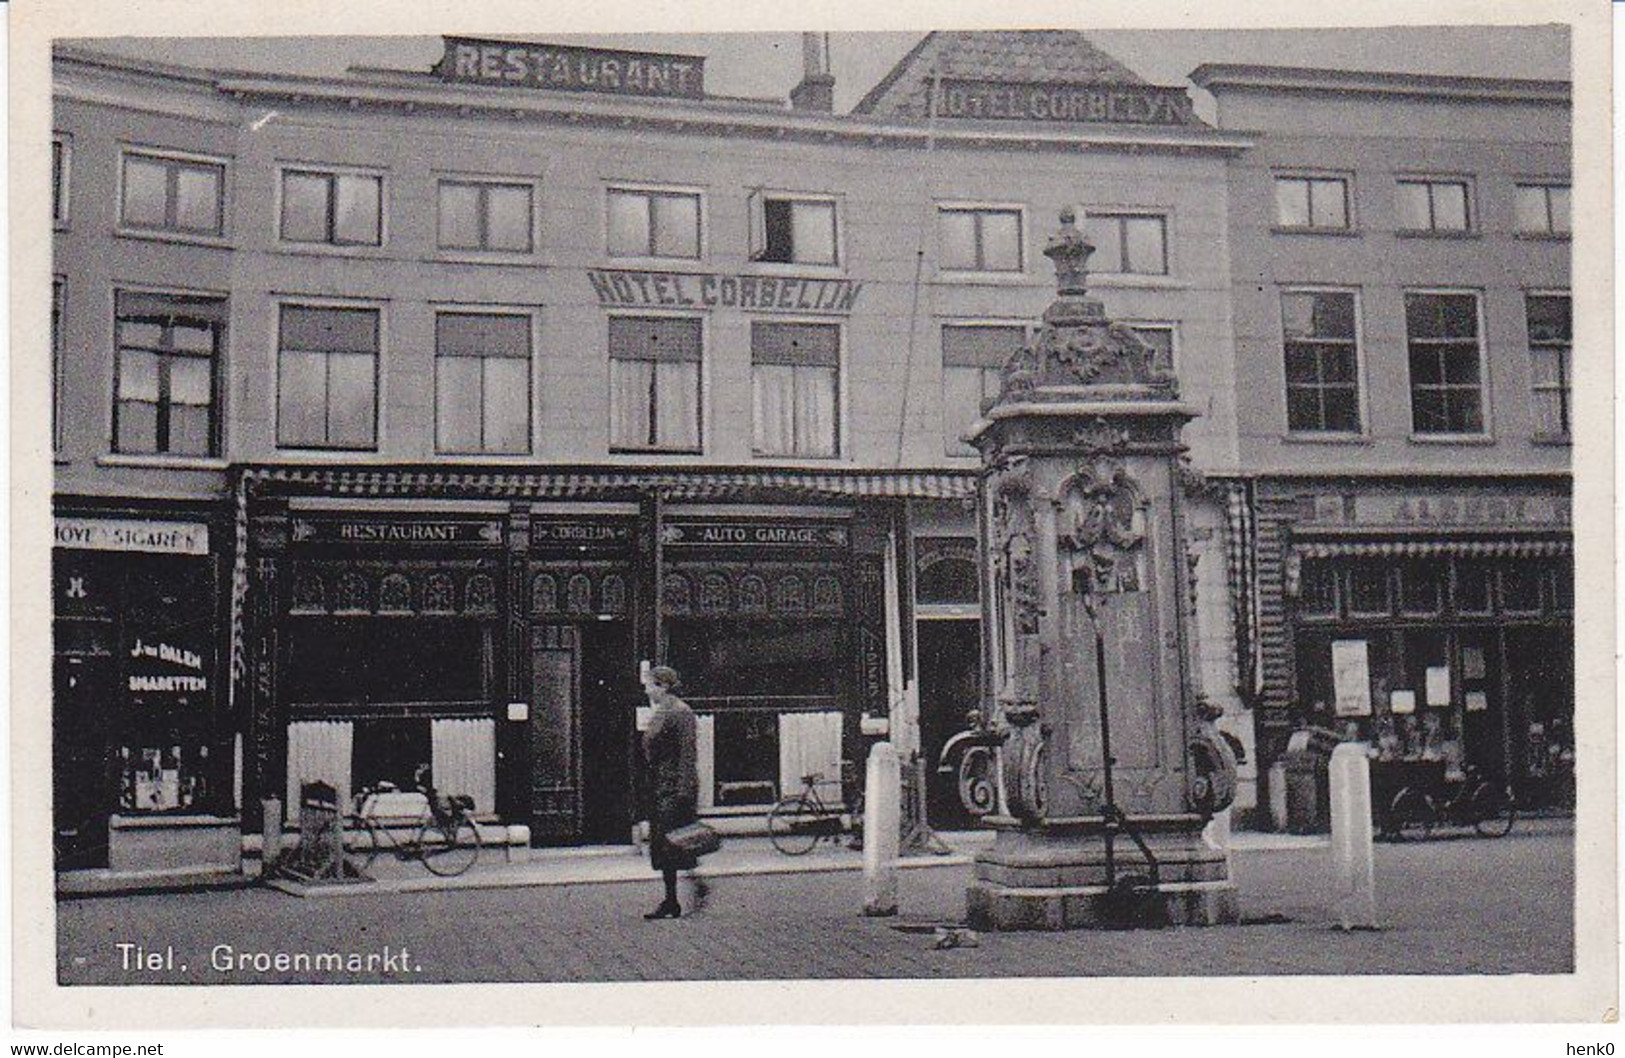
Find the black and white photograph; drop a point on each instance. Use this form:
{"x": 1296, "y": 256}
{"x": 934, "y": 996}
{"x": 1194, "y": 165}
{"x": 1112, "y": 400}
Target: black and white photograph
{"x": 544, "y": 506}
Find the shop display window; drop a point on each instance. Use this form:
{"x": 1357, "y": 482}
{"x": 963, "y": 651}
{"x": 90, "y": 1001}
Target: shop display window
{"x": 747, "y": 758}
{"x": 162, "y": 778}
{"x": 1520, "y": 588}
{"x": 365, "y": 660}
{"x": 1421, "y": 589}
{"x": 1317, "y": 593}
{"x": 1470, "y": 591}
{"x": 389, "y": 750}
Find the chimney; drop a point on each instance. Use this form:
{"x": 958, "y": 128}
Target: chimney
{"x": 817, "y": 88}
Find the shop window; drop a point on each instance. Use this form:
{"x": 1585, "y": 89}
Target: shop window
{"x": 980, "y": 239}
{"x": 1551, "y": 341}
{"x": 1435, "y": 206}
{"x": 1368, "y": 590}
{"x": 327, "y": 378}
{"x": 168, "y": 354}
{"x": 1322, "y": 361}
{"x": 1520, "y": 587}
{"x": 1470, "y": 587}
{"x": 795, "y": 387}
{"x": 389, "y": 750}
{"x": 653, "y": 223}
{"x": 338, "y": 209}
{"x": 1317, "y": 590}
{"x": 1127, "y": 243}
{"x": 762, "y": 659}
{"x": 482, "y": 383}
{"x": 485, "y": 215}
{"x": 61, "y": 167}
{"x": 746, "y": 758}
{"x": 793, "y": 229}
{"x": 171, "y": 194}
{"x": 163, "y": 778}
{"x": 366, "y": 660}
{"x": 1421, "y": 590}
{"x": 1312, "y": 202}
{"x": 973, "y": 359}
{"x": 1542, "y": 209}
{"x": 1446, "y": 377}
{"x": 654, "y": 383}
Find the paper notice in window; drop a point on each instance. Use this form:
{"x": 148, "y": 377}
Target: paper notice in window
{"x": 1351, "y": 677}
{"x": 1438, "y": 688}
{"x": 1477, "y": 702}
{"x": 1402, "y": 702}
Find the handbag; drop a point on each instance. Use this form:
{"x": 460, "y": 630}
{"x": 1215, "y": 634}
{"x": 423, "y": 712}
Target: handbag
{"x": 696, "y": 839}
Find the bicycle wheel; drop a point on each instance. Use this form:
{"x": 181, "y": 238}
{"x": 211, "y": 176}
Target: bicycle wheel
{"x": 1493, "y": 811}
{"x": 1410, "y": 815}
{"x": 365, "y": 841}
{"x": 793, "y": 825}
{"x": 449, "y": 848}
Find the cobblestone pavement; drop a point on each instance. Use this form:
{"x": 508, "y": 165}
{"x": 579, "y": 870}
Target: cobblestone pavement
{"x": 1463, "y": 905}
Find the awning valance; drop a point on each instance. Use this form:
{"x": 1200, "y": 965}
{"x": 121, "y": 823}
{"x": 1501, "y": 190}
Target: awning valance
{"x": 583, "y": 483}
{"x": 1508, "y": 548}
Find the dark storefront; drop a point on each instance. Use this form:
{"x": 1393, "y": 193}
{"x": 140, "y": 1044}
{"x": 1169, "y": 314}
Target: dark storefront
{"x": 1438, "y": 624}
{"x": 140, "y": 736}
{"x": 425, "y": 620}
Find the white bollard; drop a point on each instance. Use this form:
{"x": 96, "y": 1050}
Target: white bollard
{"x": 881, "y": 830}
{"x": 1277, "y": 785}
{"x": 1353, "y": 877}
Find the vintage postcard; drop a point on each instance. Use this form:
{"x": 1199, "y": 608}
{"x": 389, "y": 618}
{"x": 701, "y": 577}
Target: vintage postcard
{"x": 1043, "y": 502}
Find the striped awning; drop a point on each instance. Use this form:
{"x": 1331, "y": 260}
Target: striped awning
{"x": 1507, "y": 548}
{"x": 672, "y": 484}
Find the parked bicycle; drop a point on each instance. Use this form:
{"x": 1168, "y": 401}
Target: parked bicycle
{"x": 444, "y": 838}
{"x": 1416, "y": 811}
{"x": 801, "y": 820}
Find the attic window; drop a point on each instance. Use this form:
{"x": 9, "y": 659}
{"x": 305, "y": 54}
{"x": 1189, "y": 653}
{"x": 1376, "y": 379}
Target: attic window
{"x": 799, "y": 229}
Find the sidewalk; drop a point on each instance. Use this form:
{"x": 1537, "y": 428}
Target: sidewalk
{"x": 738, "y": 856}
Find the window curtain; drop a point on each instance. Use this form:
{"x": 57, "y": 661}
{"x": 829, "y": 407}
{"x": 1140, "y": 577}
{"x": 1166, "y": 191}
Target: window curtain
{"x": 809, "y": 743}
{"x": 463, "y": 759}
{"x": 319, "y": 751}
{"x": 654, "y": 359}
{"x": 794, "y": 385}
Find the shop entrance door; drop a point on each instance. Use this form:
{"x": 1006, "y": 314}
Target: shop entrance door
{"x": 609, "y": 697}
{"x": 82, "y": 789}
{"x": 950, "y": 677}
{"x": 581, "y": 729}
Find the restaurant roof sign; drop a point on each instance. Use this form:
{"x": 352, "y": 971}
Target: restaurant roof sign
{"x": 515, "y": 64}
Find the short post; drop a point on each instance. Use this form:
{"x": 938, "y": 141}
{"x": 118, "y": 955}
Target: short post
{"x": 881, "y": 830}
{"x": 1353, "y": 876}
{"x": 270, "y": 834}
{"x": 1277, "y": 792}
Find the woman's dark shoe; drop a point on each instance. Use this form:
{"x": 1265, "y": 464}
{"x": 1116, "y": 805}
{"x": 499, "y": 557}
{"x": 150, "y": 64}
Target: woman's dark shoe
{"x": 667, "y": 909}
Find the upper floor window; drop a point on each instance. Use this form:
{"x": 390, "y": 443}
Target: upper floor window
{"x": 1551, "y": 340}
{"x": 61, "y": 165}
{"x": 172, "y": 193}
{"x": 1322, "y": 361}
{"x": 481, "y": 383}
{"x": 485, "y": 215}
{"x": 654, "y": 383}
{"x": 1543, "y": 209}
{"x": 654, "y": 223}
{"x": 793, "y": 228}
{"x": 327, "y": 377}
{"x": 339, "y": 209}
{"x": 1128, "y": 243}
{"x": 976, "y": 239}
{"x": 168, "y": 356}
{"x": 795, "y": 385}
{"x": 1446, "y": 361}
{"x": 1312, "y": 202}
{"x": 973, "y": 355}
{"x": 1435, "y": 205}
{"x": 59, "y": 288}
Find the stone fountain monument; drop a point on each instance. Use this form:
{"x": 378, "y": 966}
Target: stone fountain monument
{"x": 1109, "y": 761}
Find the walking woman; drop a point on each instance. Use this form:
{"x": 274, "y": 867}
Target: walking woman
{"x": 674, "y": 786}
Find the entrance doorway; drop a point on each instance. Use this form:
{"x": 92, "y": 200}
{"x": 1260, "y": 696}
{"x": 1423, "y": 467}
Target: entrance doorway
{"x": 950, "y": 660}
{"x": 581, "y": 732}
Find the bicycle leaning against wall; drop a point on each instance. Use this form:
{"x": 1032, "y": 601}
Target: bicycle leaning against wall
{"x": 444, "y": 838}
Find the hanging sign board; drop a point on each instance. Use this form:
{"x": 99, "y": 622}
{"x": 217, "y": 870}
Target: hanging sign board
{"x": 560, "y": 67}
{"x": 1351, "y": 677}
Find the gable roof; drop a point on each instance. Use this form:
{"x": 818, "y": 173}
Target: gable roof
{"x": 1034, "y": 55}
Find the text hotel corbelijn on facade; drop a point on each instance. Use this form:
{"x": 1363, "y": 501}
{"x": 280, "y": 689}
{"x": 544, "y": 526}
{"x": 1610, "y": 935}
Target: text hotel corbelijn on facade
{"x": 399, "y": 416}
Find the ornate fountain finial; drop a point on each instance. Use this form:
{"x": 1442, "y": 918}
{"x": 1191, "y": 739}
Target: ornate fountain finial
{"x": 1070, "y": 251}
